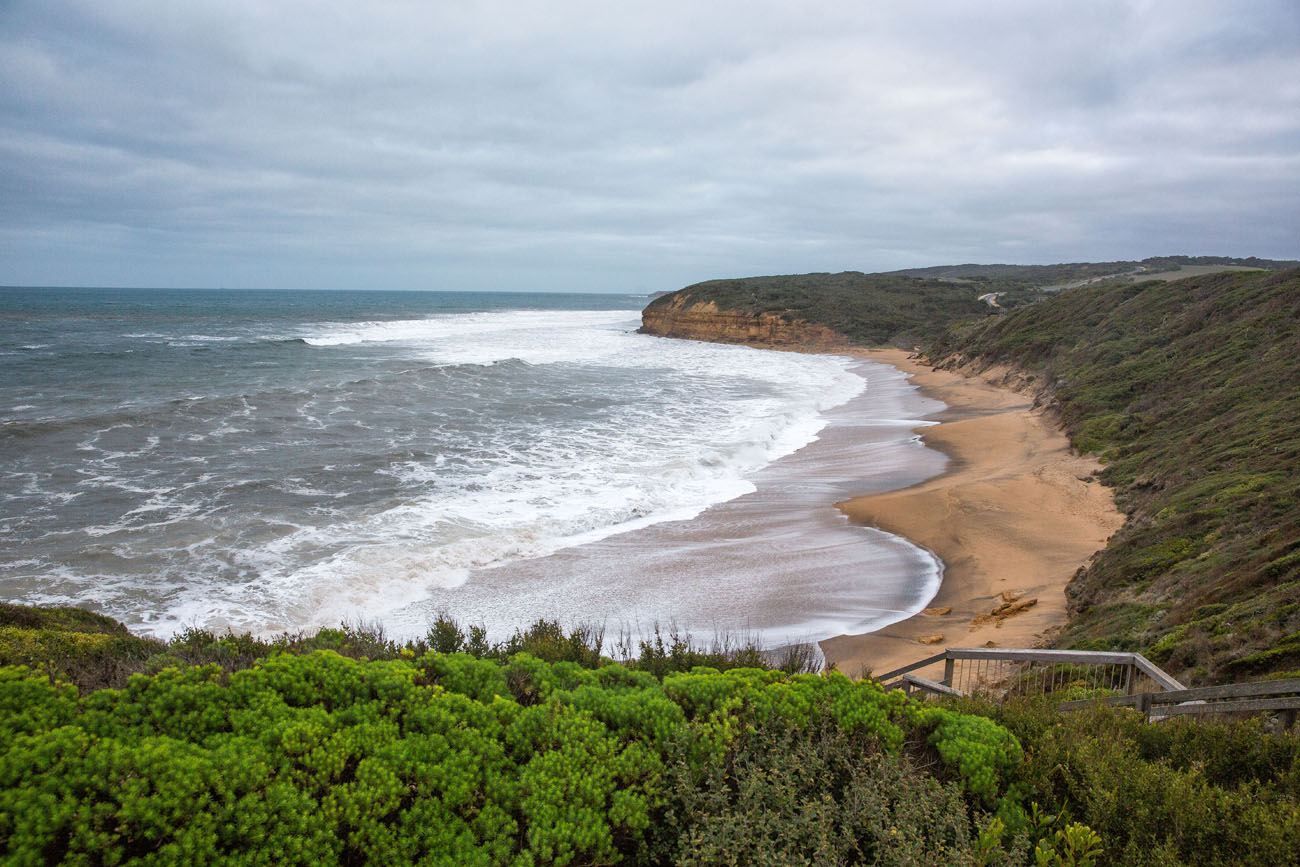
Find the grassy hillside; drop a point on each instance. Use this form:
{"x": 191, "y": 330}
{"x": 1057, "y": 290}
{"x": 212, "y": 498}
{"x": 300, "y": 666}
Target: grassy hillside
{"x": 1040, "y": 276}
{"x": 1161, "y": 262}
{"x": 869, "y": 309}
{"x": 1190, "y": 393}
{"x": 907, "y": 307}
{"x": 1024, "y": 275}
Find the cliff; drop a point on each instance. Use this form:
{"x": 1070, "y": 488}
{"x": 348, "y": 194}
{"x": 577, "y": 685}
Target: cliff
{"x": 814, "y": 310}
{"x": 691, "y": 319}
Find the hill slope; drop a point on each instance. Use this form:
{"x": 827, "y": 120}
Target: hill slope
{"x": 1190, "y": 392}
{"x": 900, "y": 307}
{"x": 820, "y": 308}
{"x": 1071, "y": 273}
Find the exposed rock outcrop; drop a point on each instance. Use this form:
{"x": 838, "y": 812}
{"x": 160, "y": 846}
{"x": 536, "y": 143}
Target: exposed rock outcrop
{"x": 681, "y": 317}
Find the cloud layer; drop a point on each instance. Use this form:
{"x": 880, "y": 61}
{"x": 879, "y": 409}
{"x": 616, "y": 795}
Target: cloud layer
{"x": 634, "y": 147}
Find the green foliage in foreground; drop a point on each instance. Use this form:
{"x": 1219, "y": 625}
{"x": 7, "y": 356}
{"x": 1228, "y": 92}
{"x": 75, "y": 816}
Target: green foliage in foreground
{"x": 1189, "y": 393}
{"x": 343, "y": 747}
{"x": 93, "y": 651}
{"x": 453, "y": 759}
{"x": 1181, "y": 791}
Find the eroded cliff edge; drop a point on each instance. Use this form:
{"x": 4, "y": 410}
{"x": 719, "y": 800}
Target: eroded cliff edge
{"x": 813, "y": 310}
{"x": 684, "y": 316}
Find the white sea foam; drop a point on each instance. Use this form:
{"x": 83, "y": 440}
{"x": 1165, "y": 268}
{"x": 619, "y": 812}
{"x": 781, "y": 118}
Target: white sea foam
{"x": 586, "y": 430}
{"x": 550, "y": 490}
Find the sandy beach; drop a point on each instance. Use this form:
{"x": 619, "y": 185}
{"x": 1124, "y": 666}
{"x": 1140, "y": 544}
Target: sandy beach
{"x": 1013, "y": 518}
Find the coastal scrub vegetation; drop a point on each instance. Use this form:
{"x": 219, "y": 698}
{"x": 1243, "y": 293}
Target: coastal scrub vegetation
{"x": 915, "y": 305}
{"x": 489, "y": 754}
{"x": 1065, "y": 274}
{"x": 93, "y": 651}
{"x": 343, "y": 746}
{"x": 1177, "y": 791}
{"x": 1188, "y": 392}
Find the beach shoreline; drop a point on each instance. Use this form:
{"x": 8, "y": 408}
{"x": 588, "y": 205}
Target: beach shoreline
{"x": 1012, "y": 517}
{"x": 779, "y": 564}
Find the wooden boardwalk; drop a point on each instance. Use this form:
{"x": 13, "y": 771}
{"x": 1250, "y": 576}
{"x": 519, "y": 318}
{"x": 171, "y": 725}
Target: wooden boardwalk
{"x": 1115, "y": 679}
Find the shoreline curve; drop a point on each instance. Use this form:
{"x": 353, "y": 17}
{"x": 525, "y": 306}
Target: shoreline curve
{"x": 1012, "y": 518}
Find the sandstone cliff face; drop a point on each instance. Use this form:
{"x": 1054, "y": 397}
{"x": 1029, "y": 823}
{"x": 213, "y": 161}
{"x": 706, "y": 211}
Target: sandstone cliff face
{"x": 681, "y": 317}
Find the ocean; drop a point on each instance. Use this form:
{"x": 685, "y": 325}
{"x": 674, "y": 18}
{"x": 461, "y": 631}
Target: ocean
{"x": 277, "y": 460}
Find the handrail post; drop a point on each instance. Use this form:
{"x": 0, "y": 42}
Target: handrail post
{"x": 948, "y": 664}
{"x": 1130, "y": 678}
{"x": 1144, "y": 705}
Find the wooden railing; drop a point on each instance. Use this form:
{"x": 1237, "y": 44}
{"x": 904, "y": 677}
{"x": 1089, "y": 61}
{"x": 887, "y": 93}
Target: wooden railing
{"x": 1282, "y": 696}
{"x": 1001, "y": 672}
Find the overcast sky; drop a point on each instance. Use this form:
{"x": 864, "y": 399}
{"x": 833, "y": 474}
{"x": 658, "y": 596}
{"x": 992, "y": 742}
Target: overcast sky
{"x": 613, "y": 146}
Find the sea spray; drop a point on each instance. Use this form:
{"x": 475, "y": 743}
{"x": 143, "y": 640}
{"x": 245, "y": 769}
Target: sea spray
{"x": 272, "y": 461}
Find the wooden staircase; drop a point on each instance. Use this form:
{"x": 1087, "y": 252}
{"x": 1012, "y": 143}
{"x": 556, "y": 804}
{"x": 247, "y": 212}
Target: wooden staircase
{"x": 1115, "y": 679}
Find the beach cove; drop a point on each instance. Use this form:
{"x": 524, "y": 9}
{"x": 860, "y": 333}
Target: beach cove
{"x": 1013, "y": 516}
{"x": 1010, "y": 516}
{"x": 961, "y": 498}
{"x": 503, "y": 459}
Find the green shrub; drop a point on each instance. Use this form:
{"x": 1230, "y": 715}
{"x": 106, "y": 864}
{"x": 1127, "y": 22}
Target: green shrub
{"x": 1180, "y": 791}
{"x": 320, "y": 758}
{"x": 817, "y": 795}
{"x": 86, "y": 658}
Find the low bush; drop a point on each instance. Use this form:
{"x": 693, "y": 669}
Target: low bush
{"x": 93, "y": 651}
{"x": 318, "y": 758}
{"x": 1180, "y": 791}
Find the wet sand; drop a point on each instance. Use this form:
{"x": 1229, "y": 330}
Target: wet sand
{"x": 1015, "y": 513}
{"x": 781, "y": 563}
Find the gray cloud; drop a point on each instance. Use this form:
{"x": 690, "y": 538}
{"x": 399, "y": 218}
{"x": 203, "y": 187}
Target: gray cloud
{"x": 598, "y": 146}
